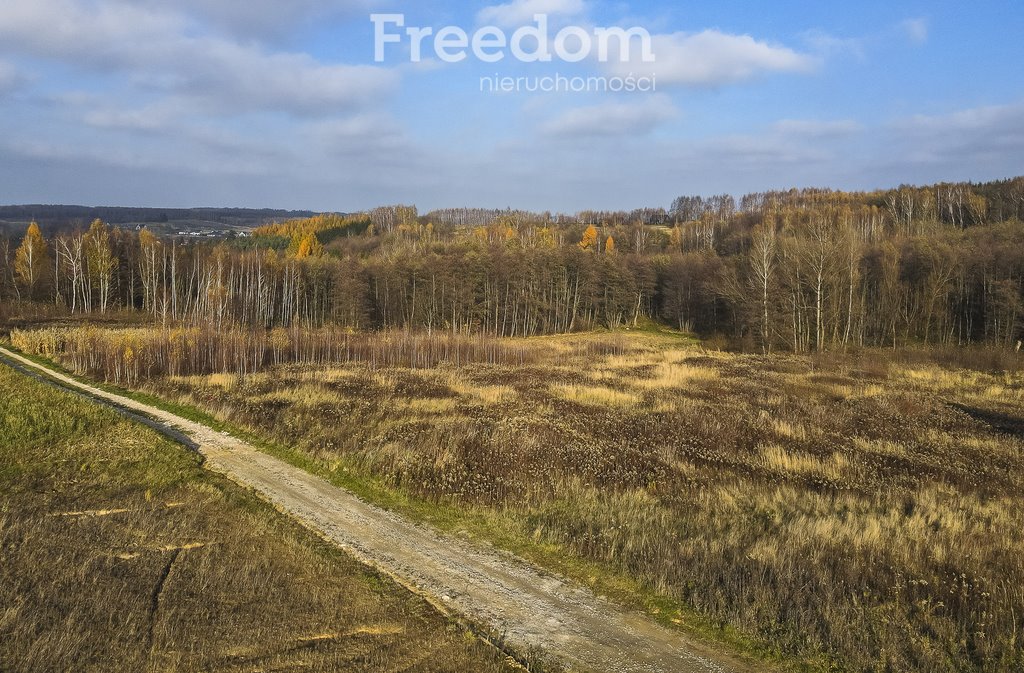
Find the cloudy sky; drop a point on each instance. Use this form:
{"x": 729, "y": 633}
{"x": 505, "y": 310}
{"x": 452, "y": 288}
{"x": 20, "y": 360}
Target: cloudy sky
{"x": 265, "y": 103}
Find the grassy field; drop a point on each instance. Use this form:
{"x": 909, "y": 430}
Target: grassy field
{"x": 119, "y": 553}
{"x": 856, "y": 513}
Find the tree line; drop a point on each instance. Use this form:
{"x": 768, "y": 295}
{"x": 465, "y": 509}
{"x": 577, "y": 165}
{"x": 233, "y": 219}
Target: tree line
{"x": 801, "y": 270}
{"x": 57, "y": 216}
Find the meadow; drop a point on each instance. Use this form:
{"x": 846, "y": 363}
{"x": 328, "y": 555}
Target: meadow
{"x": 119, "y": 552}
{"x": 854, "y": 512}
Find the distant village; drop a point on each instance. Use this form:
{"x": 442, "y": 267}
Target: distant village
{"x": 201, "y": 233}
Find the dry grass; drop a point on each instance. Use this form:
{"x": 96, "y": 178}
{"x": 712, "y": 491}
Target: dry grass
{"x": 847, "y": 512}
{"x": 669, "y": 375}
{"x": 649, "y": 368}
{"x": 117, "y": 552}
{"x": 432, "y": 405}
{"x": 598, "y": 396}
{"x": 489, "y": 395}
{"x": 222, "y": 380}
{"x": 784, "y": 429}
{"x": 881, "y": 447}
{"x": 778, "y": 459}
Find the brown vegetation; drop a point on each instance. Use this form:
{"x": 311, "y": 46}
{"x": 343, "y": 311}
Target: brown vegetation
{"x": 857, "y": 511}
{"x": 118, "y": 552}
{"x": 137, "y": 354}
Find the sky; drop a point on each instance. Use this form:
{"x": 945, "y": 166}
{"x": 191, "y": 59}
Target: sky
{"x": 263, "y": 103}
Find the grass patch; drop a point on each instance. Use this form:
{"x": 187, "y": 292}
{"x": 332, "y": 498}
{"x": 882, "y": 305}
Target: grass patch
{"x": 118, "y": 550}
{"x": 598, "y": 396}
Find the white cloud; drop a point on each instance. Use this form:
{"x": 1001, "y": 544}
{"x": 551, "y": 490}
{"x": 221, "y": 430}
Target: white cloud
{"x": 263, "y": 18}
{"x": 85, "y": 32}
{"x": 521, "y": 12}
{"x": 10, "y": 78}
{"x": 613, "y": 119}
{"x": 209, "y": 161}
{"x": 916, "y": 30}
{"x": 149, "y": 118}
{"x": 967, "y": 137}
{"x": 362, "y": 136}
{"x": 158, "y": 50}
{"x": 817, "y": 129}
{"x": 712, "y": 58}
{"x": 827, "y": 44}
{"x": 230, "y": 76}
{"x": 766, "y": 153}
{"x": 970, "y": 120}
{"x": 783, "y": 145}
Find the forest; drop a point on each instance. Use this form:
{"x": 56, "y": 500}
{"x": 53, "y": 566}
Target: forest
{"x": 800, "y": 271}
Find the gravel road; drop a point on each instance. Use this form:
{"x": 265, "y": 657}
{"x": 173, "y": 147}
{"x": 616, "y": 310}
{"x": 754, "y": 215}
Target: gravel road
{"x": 529, "y": 606}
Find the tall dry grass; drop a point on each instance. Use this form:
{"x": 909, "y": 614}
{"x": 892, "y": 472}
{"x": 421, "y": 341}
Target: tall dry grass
{"x": 843, "y": 513}
{"x": 133, "y": 355}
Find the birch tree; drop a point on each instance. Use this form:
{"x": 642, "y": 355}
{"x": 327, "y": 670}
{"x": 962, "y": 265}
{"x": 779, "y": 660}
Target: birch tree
{"x": 31, "y": 261}
{"x": 100, "y": 262}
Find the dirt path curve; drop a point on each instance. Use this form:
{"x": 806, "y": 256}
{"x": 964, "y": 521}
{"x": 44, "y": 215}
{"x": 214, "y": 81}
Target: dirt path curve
{"x": 530, "y": 607}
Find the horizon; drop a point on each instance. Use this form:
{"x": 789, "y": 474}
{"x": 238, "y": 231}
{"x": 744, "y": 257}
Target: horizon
{"x": 553, "y": 213}
{"x": 136, "y": 104}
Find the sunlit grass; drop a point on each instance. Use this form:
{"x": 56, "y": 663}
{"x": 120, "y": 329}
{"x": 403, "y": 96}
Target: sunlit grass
{"x": 489, "y": 395}
{"x": 432, "y": 405}
{"x": 790, "y": 430}
{"x": 777, "y": 458}
{"x": 599, "y": 396}
{"x": 677, "y": 375}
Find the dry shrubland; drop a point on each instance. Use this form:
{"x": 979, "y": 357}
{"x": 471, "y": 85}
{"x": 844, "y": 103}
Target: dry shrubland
{"x": 130, "y": 355}
{"x": 855, "y": 513}
{"x": 118, "y": 552}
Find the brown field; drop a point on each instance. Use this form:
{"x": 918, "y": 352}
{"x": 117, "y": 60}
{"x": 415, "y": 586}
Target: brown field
{"x": 847, "y": 512}
{"x": 119, "y": 553}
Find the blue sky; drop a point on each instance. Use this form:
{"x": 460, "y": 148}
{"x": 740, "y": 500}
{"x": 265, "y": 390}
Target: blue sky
{"x": 275, "y": 104}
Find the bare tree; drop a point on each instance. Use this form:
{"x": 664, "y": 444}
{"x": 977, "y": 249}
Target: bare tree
{"x": 763, "y": 261}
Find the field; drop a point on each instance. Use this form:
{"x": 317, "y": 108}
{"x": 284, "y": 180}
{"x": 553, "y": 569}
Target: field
{"x": 833, "y": 512}
{"x": 118, "y": 552}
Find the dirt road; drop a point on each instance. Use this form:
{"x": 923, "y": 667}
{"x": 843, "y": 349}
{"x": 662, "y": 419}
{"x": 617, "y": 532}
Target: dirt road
{"x": 530, "y": 607}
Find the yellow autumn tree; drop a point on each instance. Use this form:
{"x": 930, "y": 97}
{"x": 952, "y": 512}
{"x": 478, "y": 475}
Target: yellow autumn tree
{"x": 675, "y": 238}
{"x": 308, "y": 246}
{"x": 101, "y": 262}
{"x": 546, "y": 238}
{"x": 609, "y": 246}
{"x": 31, "y": 261}
{"x": 150, "y": 258}
{"x": 589, "y": 240}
